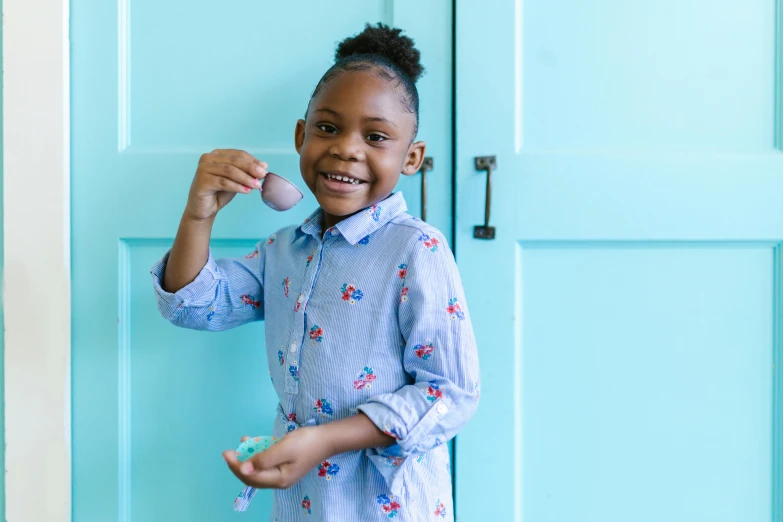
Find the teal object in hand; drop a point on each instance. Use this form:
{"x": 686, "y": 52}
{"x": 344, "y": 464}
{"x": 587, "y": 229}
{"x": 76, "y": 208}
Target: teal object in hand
{"x": 245, "y": 451}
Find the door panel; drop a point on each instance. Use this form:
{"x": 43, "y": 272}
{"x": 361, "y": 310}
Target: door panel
{"x": 155, "y": 85}
{"x": 628, "y": 311}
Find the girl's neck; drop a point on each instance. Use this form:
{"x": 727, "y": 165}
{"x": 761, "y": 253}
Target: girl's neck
{"x": 330, "y": 221}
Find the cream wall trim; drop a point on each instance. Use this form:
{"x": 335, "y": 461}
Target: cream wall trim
{"x": 37, "y": 275}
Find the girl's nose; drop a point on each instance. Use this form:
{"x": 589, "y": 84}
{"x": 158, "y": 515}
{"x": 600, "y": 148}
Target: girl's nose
{"x": 348, "y": 148}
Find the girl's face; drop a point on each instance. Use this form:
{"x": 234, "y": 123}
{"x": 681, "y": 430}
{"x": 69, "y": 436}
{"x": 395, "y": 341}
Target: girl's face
{"x": 355, "y": 143}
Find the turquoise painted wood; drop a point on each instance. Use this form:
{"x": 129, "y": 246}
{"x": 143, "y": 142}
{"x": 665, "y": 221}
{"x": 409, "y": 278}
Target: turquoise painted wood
{"x": 628, "y": 313}
{"x": 156, "y": 84}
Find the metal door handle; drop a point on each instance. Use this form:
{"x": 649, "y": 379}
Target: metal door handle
{"x": 488, "y": 163}
{"x": 426, "y": 166}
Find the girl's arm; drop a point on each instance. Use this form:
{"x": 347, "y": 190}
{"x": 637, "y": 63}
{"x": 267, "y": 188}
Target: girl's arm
{"x": 353, "y": 433}
{"x": 193, "y": 290}
{"x": 189, "y": 253}
{"x": 221, "y": 175}
{"x": 440, "y": 354}
{"x": 303, "y": 449}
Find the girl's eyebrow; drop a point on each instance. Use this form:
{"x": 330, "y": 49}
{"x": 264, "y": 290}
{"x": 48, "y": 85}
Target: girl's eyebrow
{"x": 367, "y": 119}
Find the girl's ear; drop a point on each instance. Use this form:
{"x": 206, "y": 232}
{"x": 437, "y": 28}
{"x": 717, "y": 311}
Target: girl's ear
{"x": 299, "y": 135}
{"x": 415, "y": 158}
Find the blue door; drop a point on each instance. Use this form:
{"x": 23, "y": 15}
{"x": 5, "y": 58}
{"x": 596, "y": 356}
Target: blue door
{"x": 155, "y": 85}
{"x": 628, "y": 311}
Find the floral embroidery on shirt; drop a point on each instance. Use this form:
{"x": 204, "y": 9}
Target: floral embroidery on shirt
{"x": 271, "y": 239}
{"x": 210, "y": 314}
{"x": 375, "y": 212}
{"x": 395, "y": 461}
{"x": 251, "y": 301}
{"x": 306, "y": 506}
{"x": 328, "y": 470}
{"x": 316, "y": 334}
{"x": 455, "y": 309}
{"x": 392, "y": 432}
{"x": 403, "y": 271}
{"x": 351, "y": 293}
{"x": 281, "y": 357}
{"x": 363, "y": 241}
{"x": 404, "y": 295}
{"x": 365, "y": 379}
{"x": 433, "y": 392}
{"x": 323, "y": 407}
{"x": 298, "y": 304}
{"x": 440, "y": 509}
{"x": 310, "y": 258}
{"x": 292, "y": 417}
{"x": 419, "y": 458}
{"x": 424, "y": 351}
{"x": 252, "y": 254}
{"x": 430, "y": 243}
{"x": 389, "y": 506}
{"x": 294, "y": 371}
{"x": 286, "y": 286}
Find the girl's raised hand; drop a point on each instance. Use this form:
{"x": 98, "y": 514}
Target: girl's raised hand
{"x": 221, "y": 175}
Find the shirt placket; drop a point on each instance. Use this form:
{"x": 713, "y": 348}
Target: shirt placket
{"x": 299, "y": 331}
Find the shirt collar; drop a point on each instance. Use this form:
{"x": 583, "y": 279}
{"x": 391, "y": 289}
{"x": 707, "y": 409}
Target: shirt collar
{"x": 361, "y": 224}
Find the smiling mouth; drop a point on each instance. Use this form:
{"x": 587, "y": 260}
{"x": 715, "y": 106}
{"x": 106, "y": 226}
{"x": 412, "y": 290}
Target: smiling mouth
{"x": 342, "y": 179}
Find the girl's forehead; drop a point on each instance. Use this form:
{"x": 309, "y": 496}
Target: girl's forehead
{"x": 362, "y": 94}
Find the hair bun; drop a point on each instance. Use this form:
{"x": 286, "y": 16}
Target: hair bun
{"x": 386, "y": 42}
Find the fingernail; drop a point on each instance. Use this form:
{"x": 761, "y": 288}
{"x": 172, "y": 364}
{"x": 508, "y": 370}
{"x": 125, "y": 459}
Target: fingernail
{"x": 247, "y": 189}
{"x": 246, "y": 468}
{"x": 260, "y": 169}
{"x": 257, "y": 182}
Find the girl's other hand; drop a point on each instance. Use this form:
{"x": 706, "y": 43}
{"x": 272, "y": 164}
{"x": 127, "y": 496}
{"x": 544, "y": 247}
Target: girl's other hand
{"x": 285, "y": 463}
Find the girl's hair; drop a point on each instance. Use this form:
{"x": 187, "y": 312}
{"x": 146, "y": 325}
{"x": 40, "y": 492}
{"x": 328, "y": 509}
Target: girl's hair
{"x": 385, "y": 49}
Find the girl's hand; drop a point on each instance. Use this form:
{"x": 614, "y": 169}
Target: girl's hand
{"x": 285, "y": 463}
{"x": 222, "y": 174}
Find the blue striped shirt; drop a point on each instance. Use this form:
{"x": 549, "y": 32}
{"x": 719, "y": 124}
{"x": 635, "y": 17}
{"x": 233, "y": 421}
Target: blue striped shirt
{"x": 367, "y": 316}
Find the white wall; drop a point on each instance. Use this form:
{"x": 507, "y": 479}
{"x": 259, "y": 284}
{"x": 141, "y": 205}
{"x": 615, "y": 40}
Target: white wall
{"x": 36, "y": 242}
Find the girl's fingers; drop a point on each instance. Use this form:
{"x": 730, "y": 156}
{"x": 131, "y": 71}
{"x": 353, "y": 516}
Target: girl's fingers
{"x": 230, "y": 172}
{"x": 269, "y": 478}
{"x": 227, "y": 185}
{"x": 241, "y": 160}
{"x": 266, "y": 478}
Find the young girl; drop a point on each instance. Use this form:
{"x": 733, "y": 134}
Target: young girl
{"x": 368, "y": 338}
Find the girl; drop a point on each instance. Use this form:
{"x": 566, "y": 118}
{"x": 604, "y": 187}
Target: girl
{"x": 368, "y": 338}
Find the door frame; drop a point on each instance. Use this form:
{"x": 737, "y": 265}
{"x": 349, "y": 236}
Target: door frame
{"x": 37, "y": 257}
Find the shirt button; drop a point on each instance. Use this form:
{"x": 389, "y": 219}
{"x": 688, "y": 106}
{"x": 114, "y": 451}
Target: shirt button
{"x": 300, "y": 298}
{"x": 442, "y": 409}
{"x": 294, "y": 347}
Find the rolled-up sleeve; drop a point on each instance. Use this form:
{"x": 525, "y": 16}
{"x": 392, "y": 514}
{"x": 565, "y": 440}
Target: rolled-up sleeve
{"x": 440, "y": 355}
{"x": 226, "y": 293}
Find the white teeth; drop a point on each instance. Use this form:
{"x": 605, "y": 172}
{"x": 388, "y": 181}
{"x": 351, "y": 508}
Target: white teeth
{"x": 345, "y": 179}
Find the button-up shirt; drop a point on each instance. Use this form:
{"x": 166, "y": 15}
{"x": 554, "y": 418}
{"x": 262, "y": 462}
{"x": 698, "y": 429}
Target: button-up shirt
{"x": 366, "y": 316}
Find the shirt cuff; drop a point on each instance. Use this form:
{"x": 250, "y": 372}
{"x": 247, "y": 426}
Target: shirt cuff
{"x": 414, "y": 432}
{"x": 200, "y": 292}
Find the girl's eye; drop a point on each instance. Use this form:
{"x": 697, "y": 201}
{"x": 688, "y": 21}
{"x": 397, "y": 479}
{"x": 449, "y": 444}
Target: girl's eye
{"x": 376, "y": 137}
{"x": 326, "y": 128}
